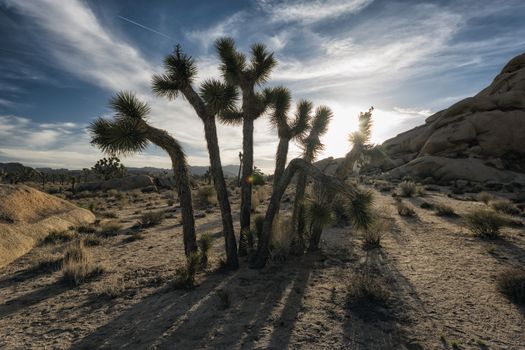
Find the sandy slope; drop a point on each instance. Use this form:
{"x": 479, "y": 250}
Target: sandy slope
{"x": 441, "y": 281}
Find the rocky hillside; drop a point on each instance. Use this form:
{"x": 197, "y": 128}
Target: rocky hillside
{"x": 481, "y": 138}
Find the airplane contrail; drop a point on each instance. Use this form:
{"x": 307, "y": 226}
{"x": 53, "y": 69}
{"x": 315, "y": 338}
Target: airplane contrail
{"x": 144, "y": 27}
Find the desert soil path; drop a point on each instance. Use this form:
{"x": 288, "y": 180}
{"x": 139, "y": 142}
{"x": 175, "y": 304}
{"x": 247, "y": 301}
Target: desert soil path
{"x": 441, "y": 282}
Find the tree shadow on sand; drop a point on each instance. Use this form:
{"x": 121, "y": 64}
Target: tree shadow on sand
{"x": 198, "y": 318}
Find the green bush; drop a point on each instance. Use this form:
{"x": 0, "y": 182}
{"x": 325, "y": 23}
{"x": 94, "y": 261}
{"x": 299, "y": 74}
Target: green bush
{"x": 205, "y": 243}
{"x": 205, "y": 197}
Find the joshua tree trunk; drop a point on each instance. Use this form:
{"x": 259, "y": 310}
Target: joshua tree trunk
{"x": 246, "y": 184}
{"x": 280, "y": 159}
{"x": 180, "y": 170}
{"x": 315, "y": 237}
{"x": 210, "y": 132}
{"x": 334, "y": 184}
{"x": 298, "y": 230}
{"x": 240, "y": 169}
{"x": 347, "y": 165}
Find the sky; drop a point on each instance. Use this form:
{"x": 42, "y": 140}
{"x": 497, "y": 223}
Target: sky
{"x": 61, "y": 61}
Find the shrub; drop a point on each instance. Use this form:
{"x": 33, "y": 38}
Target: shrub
{"x": 512, "y": 284}
{"x": 92, "y": 240}
{"x": 505, "y": 207}
{"x": 372, "y": 235}
{"x": 281, "y": 240}
{"x": 205, "y": 197}
{"x": 110, "y": 229}
{"x": 224, "y": 298}
{"x": 205, "y": 243}
{"x": 444, "y": 210}
{"x": 339, "y": 209}
{"x": 365, "y": 287}
{"x": 485, "y": 223}
{"x": 485, "y": 197}
{"x": 151, "y": 218}
{"x": 86, "y": 229}
{"x": 427, "y": 205}
{"x": 407, "y": 189}
{"x": 185, "y": 276}
{"x": 359, "y": 209}
{"x": 112, "y": 287}
{"x": 77, "y": 265}
{"x": 55, "y": 237}
{"x": 404, "y": 209}
{"x": 134, "y": 237}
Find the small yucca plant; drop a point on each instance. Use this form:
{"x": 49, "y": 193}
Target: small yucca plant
{"x": 205, "y": 242}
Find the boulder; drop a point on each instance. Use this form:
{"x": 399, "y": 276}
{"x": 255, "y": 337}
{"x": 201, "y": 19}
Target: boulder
{"x": 482, "y": 137}
{"x": 28, "y": 215}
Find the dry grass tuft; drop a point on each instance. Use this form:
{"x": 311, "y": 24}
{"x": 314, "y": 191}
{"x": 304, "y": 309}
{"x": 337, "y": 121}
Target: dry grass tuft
{"x": 407, "y": 189}
{"x": 506, "y": 207}
{"x": 485, "y": 223}
{"x": 151, "y": 218}
{"x": 404, "y": 209}
{"x": 512, "y": 284}
{"x": 366, "y": 287}
{"x": 57, "y": 237}
{"x": 77, "y": 265}
{"x": 205, "y": 197}
{"x": 110, "y": 228}
{"x": 485, "y": 197}
{"x": 281, "y": 241}
{"x": 112, "y": 287}
{"x": 185, "y": 276}
{"x": 444, "y": 210}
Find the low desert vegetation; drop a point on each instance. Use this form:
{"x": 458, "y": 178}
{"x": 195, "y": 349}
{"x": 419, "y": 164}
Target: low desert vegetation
{"x": 56, "y": 237}
{"x": 151, "y": 218}
{"x": 485, "y": 223}
{"x": 281, "y": 242}
{"x": 365, "y": 286}
{"x": 407, "y": 189}
{"x": 205, "y": 197}
{"x": 224, "y": 299}
{"x": 505, "y": 207}
{"x": 110, "y": 228}
{"x": 77, "y": 265}
{"x": 405, "y": 209}
{"x": 185, "y": 275}
{"x": 444, "y": 210}
{"x": 373, "y": 234}
{"x": 485, "y": 197}
{"x": 111, "y": 287}
{"x": 205, "y": 243}
{"x": 512, "y": 284}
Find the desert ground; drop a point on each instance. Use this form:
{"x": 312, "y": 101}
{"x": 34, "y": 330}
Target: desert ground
{"x": 437, "y": 284}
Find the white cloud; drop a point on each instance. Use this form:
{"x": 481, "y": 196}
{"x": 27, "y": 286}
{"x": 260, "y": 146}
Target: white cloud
{"x": 308, "y": 12}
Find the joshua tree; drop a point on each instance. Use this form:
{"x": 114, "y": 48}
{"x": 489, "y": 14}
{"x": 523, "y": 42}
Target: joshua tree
{"x": 311, "y": 146}
{"x": 108, "y": 168}
{"x": 215, "y": 98}
{"x": 332, "y": 184}
{"x": 287, "y": 129}
{"x": 362, "y": 150}
{"x": 130, "y": 132}
{"x": 246, "y": 75}
{"x": 240, "y": 168}
{"x": 85, "y": 173}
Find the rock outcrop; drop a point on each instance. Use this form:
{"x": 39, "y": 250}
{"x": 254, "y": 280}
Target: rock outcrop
{"x": 28, "y": 215}
{"x": 481, "y": 138}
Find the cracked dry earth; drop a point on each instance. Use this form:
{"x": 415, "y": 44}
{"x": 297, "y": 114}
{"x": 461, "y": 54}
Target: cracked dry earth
{"x": 441, "y": 281}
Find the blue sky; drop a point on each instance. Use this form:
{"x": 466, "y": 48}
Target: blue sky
{"x": 60, "y": 62}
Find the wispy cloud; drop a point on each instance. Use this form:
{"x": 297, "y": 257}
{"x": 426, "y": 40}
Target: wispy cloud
{"x": 308, "y": 12}
{"x": 144, "y": 27}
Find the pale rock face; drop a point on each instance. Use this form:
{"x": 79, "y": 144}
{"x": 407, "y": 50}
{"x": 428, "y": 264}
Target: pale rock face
{"x": 486, "y": 132}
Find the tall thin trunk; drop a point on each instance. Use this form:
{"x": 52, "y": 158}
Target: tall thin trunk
{"x": 333, "y": 184}
{"x": 180, "y": 170}
{"x": 240, "y": 169}
{"x": 280, "y": 159}
{"x": 298, "y": 220}
{"x": 246, "y": 184}
{"x": 210, "y": 131}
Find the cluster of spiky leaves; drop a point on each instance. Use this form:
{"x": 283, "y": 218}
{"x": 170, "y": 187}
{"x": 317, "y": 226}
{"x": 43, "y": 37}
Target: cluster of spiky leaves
{"x": 312, "y": 144}
{"x": 359, "y": 209}
{"x": 280, "y": 100}
{"x": 235, "y": 68}
{"x": 318, "y": 206}
{"x": 218, "y": 96}
{"x": 127, "y": 132}
{"x": 180, "y": 71}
